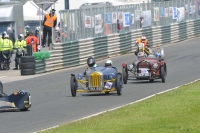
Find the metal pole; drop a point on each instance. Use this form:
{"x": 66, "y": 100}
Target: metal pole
{"x": 40, "y": 28}
{"x": 66, "y": 4}
{"x": 61, "y": 28}
{"x": 52, "y": 32}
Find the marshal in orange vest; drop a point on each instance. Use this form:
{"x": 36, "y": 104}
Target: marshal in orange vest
{"x": 49, "y": 20}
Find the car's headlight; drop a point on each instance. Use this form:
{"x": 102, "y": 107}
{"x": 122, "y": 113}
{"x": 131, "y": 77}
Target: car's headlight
{"x": 80, "y": 76}
{"x": 130, "y": 66}
{"x": 155, "y": 65}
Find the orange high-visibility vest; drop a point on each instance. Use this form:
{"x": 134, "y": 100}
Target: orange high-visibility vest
{"x": 32, "y": 40}
{"x": 139, "y": 40}
{"x": 49, "y": 20}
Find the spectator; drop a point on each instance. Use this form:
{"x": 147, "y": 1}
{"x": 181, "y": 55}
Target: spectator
{"x": 141, "y": 22}
{"x": 11, "y": 35}
{"x": 37, "y": 34}
{"x": 59, "y": 24}
{"x": 118, "y": 26}
{"x": 107, "y": 29}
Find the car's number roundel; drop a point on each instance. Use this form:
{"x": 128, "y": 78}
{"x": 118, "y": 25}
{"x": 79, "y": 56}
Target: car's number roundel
{"x": 144, "y": 71}
{"x": 108, "y": 85}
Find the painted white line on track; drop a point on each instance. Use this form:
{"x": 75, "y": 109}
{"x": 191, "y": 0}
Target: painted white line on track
{"x": 122, "y": 105}
{"x": 47, "y": 128}
{"x": 3, "y": 76}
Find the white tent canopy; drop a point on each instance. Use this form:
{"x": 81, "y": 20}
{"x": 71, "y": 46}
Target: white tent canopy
{"x": 32, "y": 12}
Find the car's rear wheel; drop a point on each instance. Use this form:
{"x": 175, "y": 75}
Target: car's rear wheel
{"x": 107, "y": 93}
{"x": 25, "y": 109}
{"x": 125, "y": 74}
{"x": 118, "y": 85}
{"x": 163, "y": 74}
{"x": 72, "y": 85}
{"x": 151, "y": 80}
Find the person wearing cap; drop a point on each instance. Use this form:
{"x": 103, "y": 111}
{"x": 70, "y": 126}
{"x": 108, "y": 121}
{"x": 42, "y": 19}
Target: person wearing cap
{"x": 32, "y": 40}
{"x": 50, "y": 20}
{"x": 11, "y": 34}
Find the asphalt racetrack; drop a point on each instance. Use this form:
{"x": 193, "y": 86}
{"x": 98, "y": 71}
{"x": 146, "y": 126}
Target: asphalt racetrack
{"x": 52, "y": 103}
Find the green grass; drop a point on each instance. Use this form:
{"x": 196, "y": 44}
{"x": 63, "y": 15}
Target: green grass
{"x": 177, "y": 111}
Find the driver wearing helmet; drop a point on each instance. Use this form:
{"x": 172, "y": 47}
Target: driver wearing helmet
{"x": 20, "y": 43}
{"x": 91, "y": 63}
{"x": 143, "y": 40}
{"x": 141, "y": 55}
{"x": 108, "y": 63}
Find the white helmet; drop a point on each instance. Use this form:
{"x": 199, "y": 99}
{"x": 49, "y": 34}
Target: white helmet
{"x": 143, "y": 38}
{"x": 141, "y": 55}
{"x": 36, "y": 28}
{"x": 57, "y": 28}
{"x": 108, "y": 63}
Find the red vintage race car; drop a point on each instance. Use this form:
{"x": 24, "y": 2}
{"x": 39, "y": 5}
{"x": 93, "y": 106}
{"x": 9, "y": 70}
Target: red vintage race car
{"x": 145, "y": 68}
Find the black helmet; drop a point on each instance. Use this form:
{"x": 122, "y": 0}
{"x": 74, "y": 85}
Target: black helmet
{"x": 90, "y": 62}
{"x": 19, "y": 37}
{"x": 3, "y": 35}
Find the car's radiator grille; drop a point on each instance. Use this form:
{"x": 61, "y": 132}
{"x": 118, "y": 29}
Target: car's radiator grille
{"x": 143, "y": 65}
{"x": 95, "y": 79}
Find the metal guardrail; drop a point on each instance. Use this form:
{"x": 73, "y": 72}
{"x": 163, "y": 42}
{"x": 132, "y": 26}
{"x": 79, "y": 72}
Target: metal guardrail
{"x": 75, "y": 53}
{"x": 95, "y": 22}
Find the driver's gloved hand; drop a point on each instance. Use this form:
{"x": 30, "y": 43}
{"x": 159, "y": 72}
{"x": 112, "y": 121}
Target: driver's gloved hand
{"x": 148, "y": 45}
{"x": 136, "y": 53}
{"x": 84, "y": 73}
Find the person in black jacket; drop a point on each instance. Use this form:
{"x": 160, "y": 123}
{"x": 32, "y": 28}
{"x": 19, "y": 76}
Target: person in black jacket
{"x": 48, "y": 23}
{"x": 11, "y": 34}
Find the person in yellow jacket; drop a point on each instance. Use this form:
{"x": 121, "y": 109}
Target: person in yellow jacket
{"x": 6, "y": 48}
{"x": 1, "y": 57}
{"x": 20, "y": 43}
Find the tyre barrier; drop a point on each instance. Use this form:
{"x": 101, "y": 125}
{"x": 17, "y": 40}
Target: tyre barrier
{"x": 27, "y": 65}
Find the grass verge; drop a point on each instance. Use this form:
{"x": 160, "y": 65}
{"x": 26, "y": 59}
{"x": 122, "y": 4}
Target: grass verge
{"x": 176, "y": 111}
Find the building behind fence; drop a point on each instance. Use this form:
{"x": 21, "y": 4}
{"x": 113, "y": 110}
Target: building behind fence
{"x": 101, "y": 21}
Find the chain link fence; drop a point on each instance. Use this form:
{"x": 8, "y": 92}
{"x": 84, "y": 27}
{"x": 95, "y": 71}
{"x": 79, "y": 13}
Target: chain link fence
{"x": 102, "y": 21}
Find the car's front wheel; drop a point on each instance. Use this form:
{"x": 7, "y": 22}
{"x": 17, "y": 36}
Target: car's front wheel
{"x": 124, "y": 74}
{"x": 118, "y": 85}
{"x": 72, "y": 85}
{"x": 163, "y": 74}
